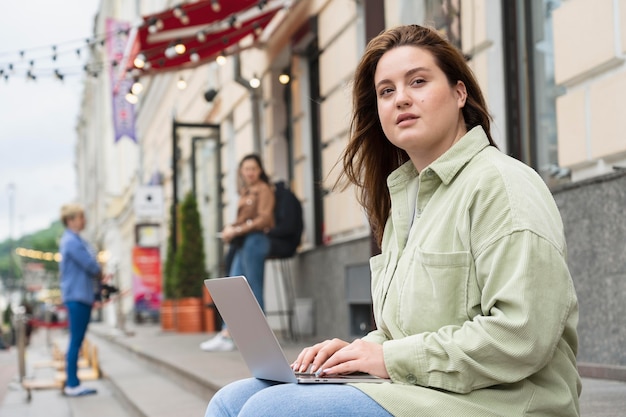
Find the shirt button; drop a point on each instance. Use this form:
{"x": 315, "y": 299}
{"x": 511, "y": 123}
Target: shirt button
{"x": 411, "y": 378}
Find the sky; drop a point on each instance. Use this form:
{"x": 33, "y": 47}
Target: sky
{"x": 38, "y": 118}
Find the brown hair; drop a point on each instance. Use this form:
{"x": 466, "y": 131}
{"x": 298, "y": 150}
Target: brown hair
{"x": 256, "y": 158}
{"x": 369, "y": 157}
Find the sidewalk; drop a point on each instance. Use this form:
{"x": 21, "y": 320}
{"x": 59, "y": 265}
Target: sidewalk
{"x": 153, "y": 373}
{"x": 14, "y": 400}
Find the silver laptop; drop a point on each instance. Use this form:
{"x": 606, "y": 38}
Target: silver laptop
{"x": 255, "y": 339}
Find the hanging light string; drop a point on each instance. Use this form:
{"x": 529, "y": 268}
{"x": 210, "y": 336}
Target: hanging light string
{"x": 28, "y": 62}
{"x": 57, "y": 62}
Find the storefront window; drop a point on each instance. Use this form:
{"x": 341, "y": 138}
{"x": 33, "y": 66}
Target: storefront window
{"x": 444, "y": 15}
{"x": 531, "y": 93}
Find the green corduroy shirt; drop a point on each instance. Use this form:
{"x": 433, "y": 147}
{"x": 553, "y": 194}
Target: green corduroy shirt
{"x": 473, "y": 300}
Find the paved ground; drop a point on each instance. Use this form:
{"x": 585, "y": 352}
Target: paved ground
{"x": 152, "y": 373}
{"x": 49, "y": 402}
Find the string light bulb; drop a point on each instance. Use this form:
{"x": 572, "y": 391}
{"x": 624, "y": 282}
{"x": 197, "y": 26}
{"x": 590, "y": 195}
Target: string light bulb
{"x": 180, "y": 48}
{"x": 180, "y": 14}
{"x": 170, "y": 52}
{"x": 215, "y": 5}
{"x": 201, "y": 36}
{"x": 255, "y": 82}
{"x": 284, "y": 78}
{"x": 234, "y": 23}
{"x": 258, "y": 30}
{"x": 221, "y": 59}
{"x": 137, "y": 87}
{"x": 181, "y": 83}
{"x": 131, "y": 98}
{"x": 154, "y": 25}
{"x": 139, "y": 61}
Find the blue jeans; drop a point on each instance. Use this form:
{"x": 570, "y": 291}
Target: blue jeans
{"x": 249, "y": 261}
{"x": 79, "y": 315}
{"x": 260, "y": 398}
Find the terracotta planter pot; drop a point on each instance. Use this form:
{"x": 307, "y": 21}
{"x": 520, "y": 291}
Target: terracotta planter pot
{"x": 189, "y": 315}
{"x": 167, "y": 314}
{"x": 209, "y": 311}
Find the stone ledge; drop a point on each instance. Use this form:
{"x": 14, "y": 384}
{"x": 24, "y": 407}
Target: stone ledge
{"x": 600, "y": 371}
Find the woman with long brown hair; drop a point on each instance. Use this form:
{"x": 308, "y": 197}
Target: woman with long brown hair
{"x": 474, "y": 305}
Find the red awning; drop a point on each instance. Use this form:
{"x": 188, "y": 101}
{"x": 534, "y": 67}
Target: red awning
{"x": 202, "y": 30}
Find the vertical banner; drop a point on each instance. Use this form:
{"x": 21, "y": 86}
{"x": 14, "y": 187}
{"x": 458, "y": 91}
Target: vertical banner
{"x": 147, "y": 279}
{"x": 123, "y": 111}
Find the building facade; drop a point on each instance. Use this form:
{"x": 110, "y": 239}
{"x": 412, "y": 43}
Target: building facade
{"x": 552, "y": 88}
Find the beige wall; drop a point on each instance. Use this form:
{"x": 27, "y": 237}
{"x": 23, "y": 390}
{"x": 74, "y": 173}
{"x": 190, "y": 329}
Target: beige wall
{"x": 582, "y": 51}
{"x": 337, "y": 64}
{"x": 607, "y": 112}
{"x": 339, "y": 40}
{"x": 589, "y": 63}
{"x": 571, "y": 125}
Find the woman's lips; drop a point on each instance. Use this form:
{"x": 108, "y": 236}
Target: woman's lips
{"x": 405, "y": 117}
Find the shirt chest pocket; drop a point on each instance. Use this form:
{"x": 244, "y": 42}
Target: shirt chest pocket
{"x": 432, "y": 290}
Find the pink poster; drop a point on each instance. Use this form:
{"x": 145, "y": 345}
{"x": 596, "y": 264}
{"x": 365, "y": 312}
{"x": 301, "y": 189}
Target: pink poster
{"x": 147, "y": 279}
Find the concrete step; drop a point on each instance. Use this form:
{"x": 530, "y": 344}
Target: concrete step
{"x": 148, "y": 386}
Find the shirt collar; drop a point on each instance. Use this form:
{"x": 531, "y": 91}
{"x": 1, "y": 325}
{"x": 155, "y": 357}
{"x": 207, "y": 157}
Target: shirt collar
{"x": 447, "y": 165}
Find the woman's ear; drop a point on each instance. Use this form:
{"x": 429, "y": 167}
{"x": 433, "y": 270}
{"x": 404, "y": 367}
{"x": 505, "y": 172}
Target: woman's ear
{"x": 461, "y": 93}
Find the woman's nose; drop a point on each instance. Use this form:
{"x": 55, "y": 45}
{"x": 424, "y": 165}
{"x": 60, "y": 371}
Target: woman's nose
{"x": 402, "y": 99}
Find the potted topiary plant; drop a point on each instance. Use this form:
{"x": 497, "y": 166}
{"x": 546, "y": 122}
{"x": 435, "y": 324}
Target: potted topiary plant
{"x": 189, "y": 268}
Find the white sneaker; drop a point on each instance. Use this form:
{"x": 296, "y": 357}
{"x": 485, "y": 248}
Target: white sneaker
{"x": 219, "y": 343}
{"x": 78, "y": 391}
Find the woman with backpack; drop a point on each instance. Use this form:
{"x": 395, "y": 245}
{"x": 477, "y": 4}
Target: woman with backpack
{"x": 247, "y": 236}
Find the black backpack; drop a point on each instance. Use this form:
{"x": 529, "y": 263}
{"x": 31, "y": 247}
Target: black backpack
{"x": 287, "y": 232}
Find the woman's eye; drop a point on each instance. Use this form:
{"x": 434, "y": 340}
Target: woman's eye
{"x": 417, "y": 81}
{"x": 385, "y": 91}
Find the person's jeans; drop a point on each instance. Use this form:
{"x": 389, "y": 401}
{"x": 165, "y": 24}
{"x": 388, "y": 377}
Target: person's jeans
{"x": 79, "y": 315}
{"x": 261, "y": 398}
{"x": 249, "y": 261}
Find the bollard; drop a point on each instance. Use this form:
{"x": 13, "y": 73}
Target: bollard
{"x": 19, "y": 321}
{"x": 120, "y": 319}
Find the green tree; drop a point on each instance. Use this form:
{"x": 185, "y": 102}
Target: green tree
{"x": 46, "y": 240}
{"x": 189, "y": 266}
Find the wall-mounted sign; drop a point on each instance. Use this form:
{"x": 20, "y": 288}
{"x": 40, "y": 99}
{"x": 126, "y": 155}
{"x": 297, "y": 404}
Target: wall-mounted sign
{"x": 149, "y": 201}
